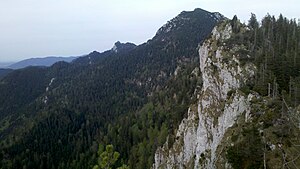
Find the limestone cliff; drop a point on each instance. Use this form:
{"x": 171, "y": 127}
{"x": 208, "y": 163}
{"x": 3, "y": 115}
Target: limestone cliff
{"x": 220, "y": 103}
{"x": 231, "y": 125}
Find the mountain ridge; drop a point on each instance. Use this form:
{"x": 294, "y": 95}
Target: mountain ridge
{"x": 40, "y": 61}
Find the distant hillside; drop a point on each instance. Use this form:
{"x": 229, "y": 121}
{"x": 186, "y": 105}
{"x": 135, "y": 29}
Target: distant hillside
{"x": 4, "y": 72}
{"x": 4, "y": 65}
{"x": 47, "y": 61}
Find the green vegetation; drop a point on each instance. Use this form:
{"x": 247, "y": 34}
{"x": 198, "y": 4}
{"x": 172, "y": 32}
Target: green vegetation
{"x": 273, "y": 45}
{"x": 108, "y": 158}
{"x": 248, "y": 152}
{"x": 270, "y": 139}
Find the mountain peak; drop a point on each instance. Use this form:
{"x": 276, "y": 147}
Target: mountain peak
{"x": 94, "y": 53}
{"x": 120, "y": 47}
{"x": 185, "y": 17}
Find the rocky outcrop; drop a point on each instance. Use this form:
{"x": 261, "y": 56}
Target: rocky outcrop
{"x": 220, "y": 104}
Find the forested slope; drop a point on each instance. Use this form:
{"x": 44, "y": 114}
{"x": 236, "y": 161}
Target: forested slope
{"x": 56, "y": 117}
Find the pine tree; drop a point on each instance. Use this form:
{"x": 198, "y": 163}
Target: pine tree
{"x": 108, "y": 158}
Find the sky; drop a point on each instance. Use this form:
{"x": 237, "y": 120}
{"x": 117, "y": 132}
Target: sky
{"x": 39, "y": 28}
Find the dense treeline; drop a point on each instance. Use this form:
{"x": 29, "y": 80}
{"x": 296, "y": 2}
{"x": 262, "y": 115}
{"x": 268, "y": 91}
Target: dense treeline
{"x": 71, "y": 136}
{"x": 273, "y": 45}
{"x": 138, "y": 134}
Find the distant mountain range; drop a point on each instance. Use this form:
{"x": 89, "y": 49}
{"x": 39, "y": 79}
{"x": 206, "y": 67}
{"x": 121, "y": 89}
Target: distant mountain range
{"x": 5, "y": 64}
{"x": 6, "y": 68}
{"x": 50, "y": 60}
{"x": 47, "y": 61}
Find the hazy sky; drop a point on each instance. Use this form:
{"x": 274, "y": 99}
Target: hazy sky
{"x": 37, "y": 28}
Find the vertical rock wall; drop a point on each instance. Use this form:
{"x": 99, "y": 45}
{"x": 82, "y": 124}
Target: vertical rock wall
{"x": 220, "y": 103}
